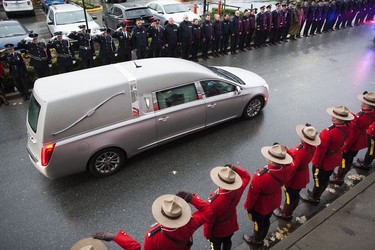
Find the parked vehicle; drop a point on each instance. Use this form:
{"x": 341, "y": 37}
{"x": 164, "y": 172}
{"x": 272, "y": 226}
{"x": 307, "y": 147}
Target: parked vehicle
{"x": 67, "y": 18}
{"x": 85, "y": 120}
{"x": 12, "y": 31}
{"x": 165, "y": 9}
{"x": 12, "y": 7}
{"x": 112, "y": 1}
{"x": 127, "y": 12}
{"x": 46, "y": 3}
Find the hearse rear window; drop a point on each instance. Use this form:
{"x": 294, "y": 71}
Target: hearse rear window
{"x": 176, "y": 96}
{"x": 33, "y": 114}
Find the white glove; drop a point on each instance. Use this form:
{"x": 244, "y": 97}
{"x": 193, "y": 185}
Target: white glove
{"x": 115, "y": 55}
{"x": 28, "y": 39}
{"x": 74, "y": 62}
{"x": 50, "y": 65}
{"x": 52, "y": 38}
{"x": 94, "y": 57}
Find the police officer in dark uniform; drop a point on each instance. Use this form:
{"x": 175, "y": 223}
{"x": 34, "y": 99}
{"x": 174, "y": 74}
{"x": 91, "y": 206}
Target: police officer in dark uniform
{"x": 217, "y": 35}
{"x": 267, "y": 32}
{"x": 246, "y": 30}
{"x": 305, "y": 9}
{"x": 288, "y": 21}
{"x": 107, "y": 46}
{"x": 17, "y": 70}
{"x": 226, "y": 34}
{"x": 310, "y": 18}
{"x": 85, "y": 45}
{"x": 261, "y": 22}
{"x": 197, "y": 34}
{"x": 40, "y": 56}
{"x": 185, "y": 37}
{"x": 207, "y": 35}
{"x": 140, "y": 39}
{"x": 317, "y": 19}
{"x": 64, "y": 51}
{"x": 275, "y": 24}
{"x": 125, "y": 42}
{"x": 156, "y": 32}
{"x": 171, "y": 38}
{"x": 252, "y": 28}
{"x": 236, "y": 29}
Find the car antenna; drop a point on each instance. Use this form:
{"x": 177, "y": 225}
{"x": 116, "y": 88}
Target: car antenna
{"x": 137, "y": 66}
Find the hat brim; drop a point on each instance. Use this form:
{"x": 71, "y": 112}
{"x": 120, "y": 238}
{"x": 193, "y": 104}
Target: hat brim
{"x": 215, "y": 178}
{"x": 96, "y": 244}
{"x": 176, "y": 223}
{"x": 299, "y": 129}
{"x": 360, "y": 97}
{"x": 348, "y": 118}
{"x": 288, "y": 159}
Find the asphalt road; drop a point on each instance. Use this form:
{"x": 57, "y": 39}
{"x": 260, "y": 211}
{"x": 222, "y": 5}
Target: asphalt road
{"x": 305, "y": 77}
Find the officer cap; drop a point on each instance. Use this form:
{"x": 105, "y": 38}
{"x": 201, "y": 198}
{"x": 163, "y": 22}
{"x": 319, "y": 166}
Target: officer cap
{"x": 58, "y": 33}
{"x": 246, "y": 10}
{"x": 255, "y": 9}
{"x": 9, "y": 46}
{"x": 123, "y": 24}
{"x": 82, "y": 26}
{"x": 157, "y": 21}
{"x": 283, "y": 4}
{"x": 269, "y": 6}
{"x": 277, "y": 4}
{"x": 104, "y": 29}
{"x": 33, "y": 35}
{"x": 262, "y": 7}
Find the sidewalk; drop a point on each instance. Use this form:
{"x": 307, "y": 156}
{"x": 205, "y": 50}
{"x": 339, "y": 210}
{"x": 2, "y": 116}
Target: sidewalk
{"x": 346, "y": 223}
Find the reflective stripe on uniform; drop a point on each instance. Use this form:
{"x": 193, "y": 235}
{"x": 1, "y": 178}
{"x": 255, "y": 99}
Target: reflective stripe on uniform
{"x": 287, "y": 196}
{"x": 255, "y": 226}
{"x": 372, "y": 142}
{"x": 316, "y": 177}
{"x": 343, "y": 163}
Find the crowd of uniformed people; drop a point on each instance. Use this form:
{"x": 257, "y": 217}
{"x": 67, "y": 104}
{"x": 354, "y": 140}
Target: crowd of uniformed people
{"x": 335, "y": 147}
{"x": 247, "y": 30}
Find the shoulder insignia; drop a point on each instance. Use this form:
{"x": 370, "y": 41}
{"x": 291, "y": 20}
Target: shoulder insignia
{"x": 154, "y": 231}
{"x": 300, "y": 147}
{"x": 360, "y": 113}
{"x": 213, "y": 198}
{"x": 265, "y": 170}
{"x": 331, "y": 127}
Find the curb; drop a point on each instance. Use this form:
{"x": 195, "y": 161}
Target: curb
{"x": 95, "y": 10}
{"x": 326, "y": 213}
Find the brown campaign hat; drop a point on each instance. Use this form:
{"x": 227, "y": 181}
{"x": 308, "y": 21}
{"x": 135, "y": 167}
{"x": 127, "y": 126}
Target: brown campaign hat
{"x": 341, "y": 112}
{"x": 171, "y": 211}
{"x": 277, "y": 154}
{"x": 89, "y": 244}
{"x": 368, "y": 98}
{"x": 226, "y": 178}
{"x": 308, "y": 134}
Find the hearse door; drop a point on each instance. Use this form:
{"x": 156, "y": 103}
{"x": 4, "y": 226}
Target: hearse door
{"x": 178, "y": 111}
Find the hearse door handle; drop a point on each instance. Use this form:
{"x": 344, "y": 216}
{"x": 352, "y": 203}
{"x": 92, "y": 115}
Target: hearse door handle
{"x": 211, "y": 105}
{"x": 32, "y": 139}
{"x": 164, "y": 118}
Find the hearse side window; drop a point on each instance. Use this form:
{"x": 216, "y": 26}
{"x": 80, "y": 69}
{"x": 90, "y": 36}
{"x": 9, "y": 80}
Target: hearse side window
{"x": 33, "y": 115}
{"x": 214, "y": 87}
{"x": 176, "y": 96}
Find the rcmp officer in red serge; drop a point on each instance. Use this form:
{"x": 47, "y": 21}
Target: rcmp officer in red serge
{"x": 40, "y": 56}
{"x": 125, "y": 42}
{"x": 302, "y": 155}
{"x": 17, "y": 70}
{"x": 64, "y": 51}
{"x": 107, "y": 46}
{"x": 264, "y": 194}
{"x": 86, "y": 46}
{"x": 327, "y": 155}
{"x": 175, "y": 225}
{"x": 232, "y": 181}
{"x": 357, "y": 139}
{"x": 365, "y": 164}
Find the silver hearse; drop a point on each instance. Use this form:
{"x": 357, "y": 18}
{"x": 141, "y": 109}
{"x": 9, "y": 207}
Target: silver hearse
{"x": 95, "y": 119}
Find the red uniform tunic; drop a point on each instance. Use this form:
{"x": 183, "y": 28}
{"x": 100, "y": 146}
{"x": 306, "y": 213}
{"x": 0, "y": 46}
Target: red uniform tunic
{"x": 224, "y": 203}
{"x": 264, "y": 194}
{"x": 159, "y": 240}
{"x": 302, "y": 155}
{"x": 327, "y": 155}
{"x": 357, "y": 139}
{"x": 371, "y": 130}
{"x": 126, "y": 242}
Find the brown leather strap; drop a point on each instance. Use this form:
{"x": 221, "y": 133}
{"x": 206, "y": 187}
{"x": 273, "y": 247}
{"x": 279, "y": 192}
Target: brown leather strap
{"x": 275, "y": 177}
{"x": 230, "y": 205}
{"x": 178, "y": 242}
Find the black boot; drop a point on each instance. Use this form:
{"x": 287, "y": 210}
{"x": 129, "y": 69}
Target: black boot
{"x": 312, "y": 197}
{"x": 338, "y": 178}
{"x": 364, "y": 164}
{"x": 255, "y": 240}
{"x": 285, "y": 213}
